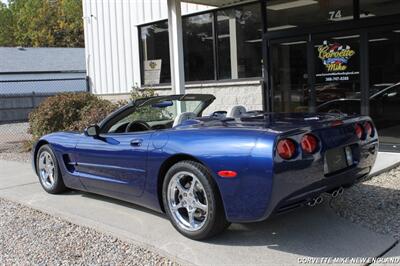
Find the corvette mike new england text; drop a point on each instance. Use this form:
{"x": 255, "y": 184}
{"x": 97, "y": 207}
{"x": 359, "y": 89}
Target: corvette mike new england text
{"x": 348, "y": 260}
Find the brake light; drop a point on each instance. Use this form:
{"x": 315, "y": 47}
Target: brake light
{"x": 309, "y": 143}
{"x": 369, "y": 129}
{"x": 359, "y": 131}
{"x": 286, "y": 148}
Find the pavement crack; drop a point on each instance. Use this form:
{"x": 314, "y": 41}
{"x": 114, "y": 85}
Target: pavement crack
{"x": 21, "y": 185}
{"x": 385, "y": 252}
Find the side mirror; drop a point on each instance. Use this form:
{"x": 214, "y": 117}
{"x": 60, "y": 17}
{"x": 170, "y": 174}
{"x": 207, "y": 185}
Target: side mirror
{"x": 92, "y": 131}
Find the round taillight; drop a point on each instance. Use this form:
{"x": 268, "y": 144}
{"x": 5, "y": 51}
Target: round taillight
{"x": 286, "y": 148}
{"x": 369, "y": 129}
{"x": 359, "y": 131}
{"x": 309, "y": 143}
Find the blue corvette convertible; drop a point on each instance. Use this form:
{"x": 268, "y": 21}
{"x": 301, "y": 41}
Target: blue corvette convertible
{"x": 205, "y": 172}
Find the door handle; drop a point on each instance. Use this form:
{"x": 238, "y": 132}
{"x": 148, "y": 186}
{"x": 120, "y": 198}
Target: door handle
{"x": 136, "y": 142}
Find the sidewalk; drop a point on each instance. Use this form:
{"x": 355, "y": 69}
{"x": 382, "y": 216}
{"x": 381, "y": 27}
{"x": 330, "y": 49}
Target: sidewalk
{"x": 308, "y": 232}
{"x": 384, "y": 162}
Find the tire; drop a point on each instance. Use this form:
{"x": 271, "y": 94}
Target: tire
{"x": 196, "y": 197}
{"x": 48, "y": 171}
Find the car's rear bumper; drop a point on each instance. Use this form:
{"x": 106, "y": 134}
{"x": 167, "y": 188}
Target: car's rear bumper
{"x": 295, "y": 186}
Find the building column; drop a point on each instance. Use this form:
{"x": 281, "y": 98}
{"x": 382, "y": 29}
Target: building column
{"x": 176, "y": 46}
{"x": 233, "y": 46}
{"x": 266, "y": 87}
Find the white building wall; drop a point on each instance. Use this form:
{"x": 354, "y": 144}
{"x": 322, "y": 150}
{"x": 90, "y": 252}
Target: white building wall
{"x": 112, "y": 41}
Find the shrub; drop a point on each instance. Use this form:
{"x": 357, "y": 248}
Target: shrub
{"x": 75, "y": 111}
{"x": 137, "y": 93}
{"x": 68, "y": 111}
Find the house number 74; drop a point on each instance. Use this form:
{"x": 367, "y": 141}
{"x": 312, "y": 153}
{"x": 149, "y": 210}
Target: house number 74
{"x": 335, "y": 14}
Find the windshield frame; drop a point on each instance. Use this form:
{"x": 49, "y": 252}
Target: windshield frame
{"x": 204, "y": 99}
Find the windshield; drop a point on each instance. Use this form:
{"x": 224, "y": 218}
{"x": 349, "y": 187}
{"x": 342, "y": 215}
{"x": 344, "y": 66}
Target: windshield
{"x": 164, "y": 110}
{"x": 156, "y": 113}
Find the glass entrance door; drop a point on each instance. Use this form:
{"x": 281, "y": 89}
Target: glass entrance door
{"x": 337, "y": 73}
{"x": 289, "y": 77}
{"x": 349, "y": 72}
{"x": 316, "y": 72}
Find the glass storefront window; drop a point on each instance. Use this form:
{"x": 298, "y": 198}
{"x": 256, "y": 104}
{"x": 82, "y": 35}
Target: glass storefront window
{"x": 290, "y": 14}
{"x": 384, "y": 72}
{"x": 384, "y": 57}
{"x": 372, "y": 8}
{"x": 239, "y": 46}
{"x": 198, "y": 43}
{"x": 239, "y": 42}
{"x": 155, "y": 53}
{"x": 289, "y": 75}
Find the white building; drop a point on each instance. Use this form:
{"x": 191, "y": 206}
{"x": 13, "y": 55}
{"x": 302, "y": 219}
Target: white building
{"x": 114, "y": 49}
{"x": 276, "y": 55}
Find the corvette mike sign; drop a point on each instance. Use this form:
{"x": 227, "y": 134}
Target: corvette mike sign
{"x": 336, "y": 62}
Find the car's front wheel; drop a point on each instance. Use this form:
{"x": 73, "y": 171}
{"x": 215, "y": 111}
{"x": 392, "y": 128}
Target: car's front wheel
{"x": 48, "y": 171}
{"x": 192, "y": 201}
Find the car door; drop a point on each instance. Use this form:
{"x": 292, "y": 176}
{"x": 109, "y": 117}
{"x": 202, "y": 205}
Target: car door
{"x": 114, "y": 164}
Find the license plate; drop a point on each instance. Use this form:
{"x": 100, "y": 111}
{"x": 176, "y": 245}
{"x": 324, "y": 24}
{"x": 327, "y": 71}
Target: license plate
{"x": 338, "y": 159}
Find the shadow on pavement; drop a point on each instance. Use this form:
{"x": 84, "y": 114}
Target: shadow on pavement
{"x": 115, "y": 201}
{"x": 311, "y": 232}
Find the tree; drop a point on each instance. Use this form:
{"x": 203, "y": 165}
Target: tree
{"x": 70, "y": 24}
{"x": 43, "y": 23}
{"x": 34, "y": 23}
{"x": 6, "y": 26}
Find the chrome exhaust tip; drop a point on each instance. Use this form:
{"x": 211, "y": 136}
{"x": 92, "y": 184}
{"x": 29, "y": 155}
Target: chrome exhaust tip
{"x": 319, "y": 200}
{"x": 315, "y": 201}
{"x": 311, "y": 203}
{"x": 337, "y": 192}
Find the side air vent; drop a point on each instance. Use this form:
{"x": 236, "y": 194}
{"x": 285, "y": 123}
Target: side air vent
{"x": 69, "y": 164}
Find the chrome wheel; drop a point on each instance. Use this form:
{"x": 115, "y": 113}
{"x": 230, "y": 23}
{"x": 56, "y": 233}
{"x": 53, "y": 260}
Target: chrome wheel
{"x": 46, "y": 169}
{"x": 187, "y": 201}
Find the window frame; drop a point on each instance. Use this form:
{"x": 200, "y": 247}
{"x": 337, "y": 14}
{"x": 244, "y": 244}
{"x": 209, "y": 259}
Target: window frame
{"x": 215, "y": 45}
{"x": 213, "y": 31}
{"x": 141, "y": 59}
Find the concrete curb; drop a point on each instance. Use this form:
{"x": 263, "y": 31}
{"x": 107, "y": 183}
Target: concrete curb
{"x": 386, "y": 169}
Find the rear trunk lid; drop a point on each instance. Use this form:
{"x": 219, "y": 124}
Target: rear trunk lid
{"x": 282, "y": 123}
{"x": 332, "y": 129}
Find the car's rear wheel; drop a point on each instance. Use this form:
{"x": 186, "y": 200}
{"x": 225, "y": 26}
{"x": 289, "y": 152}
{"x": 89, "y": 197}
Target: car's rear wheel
{"x": 192, "y": 201}
{"x": 48, "y": 171}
